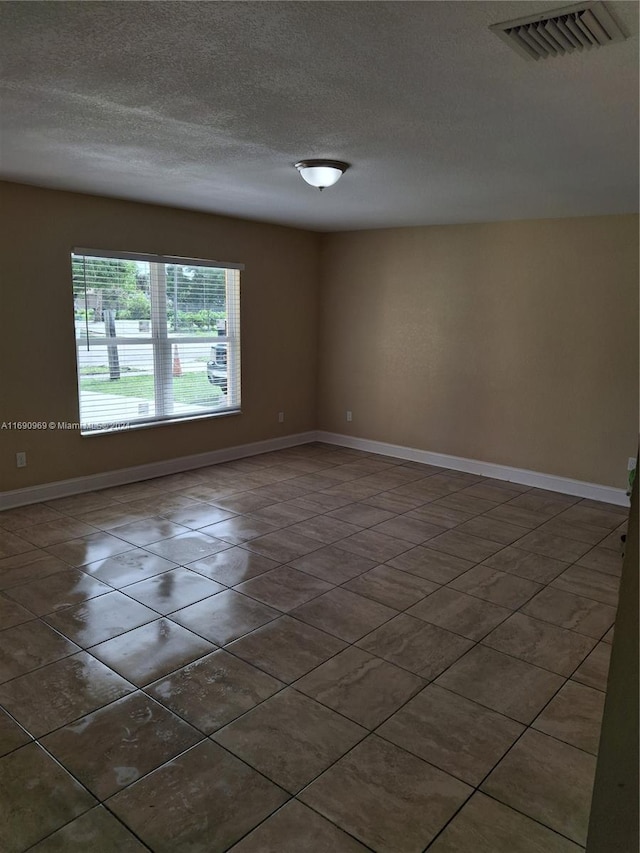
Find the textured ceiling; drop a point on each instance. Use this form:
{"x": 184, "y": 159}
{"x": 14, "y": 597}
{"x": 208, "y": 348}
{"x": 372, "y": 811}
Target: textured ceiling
{"x": 207, "y": 105}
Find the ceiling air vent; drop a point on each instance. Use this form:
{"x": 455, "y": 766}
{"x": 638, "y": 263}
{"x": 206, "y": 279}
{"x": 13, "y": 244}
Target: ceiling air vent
{"x": 554, "y": 33}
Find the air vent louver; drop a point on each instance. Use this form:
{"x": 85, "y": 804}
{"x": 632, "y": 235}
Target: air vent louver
{"x": 554, "y": 33}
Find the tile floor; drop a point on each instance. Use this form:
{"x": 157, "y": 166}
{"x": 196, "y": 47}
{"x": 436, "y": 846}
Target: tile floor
{"x": 312, "y": 650}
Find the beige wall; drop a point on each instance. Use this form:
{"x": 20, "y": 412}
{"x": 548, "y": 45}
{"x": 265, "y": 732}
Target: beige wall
{"x": 514, "y": 343}
{"x": 279, "y": 293}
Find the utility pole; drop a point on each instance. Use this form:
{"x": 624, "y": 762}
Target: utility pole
{"x": 112, "y": 347}
{"x": 175, "y": 296}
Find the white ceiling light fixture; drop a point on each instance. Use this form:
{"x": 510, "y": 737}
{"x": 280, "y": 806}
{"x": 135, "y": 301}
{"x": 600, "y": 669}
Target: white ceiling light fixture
{"x": 322, "y": 173}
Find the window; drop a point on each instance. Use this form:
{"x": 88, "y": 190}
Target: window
{"x": 157, "y": 339}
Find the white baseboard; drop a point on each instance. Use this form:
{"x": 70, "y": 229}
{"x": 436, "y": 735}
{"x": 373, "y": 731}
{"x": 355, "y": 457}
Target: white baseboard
{"x": 78, "y": 485}
{"x": 579, "y": 488}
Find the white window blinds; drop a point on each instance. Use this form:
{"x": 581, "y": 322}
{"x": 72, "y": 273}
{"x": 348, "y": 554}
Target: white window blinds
{"x": 157, "y": 338}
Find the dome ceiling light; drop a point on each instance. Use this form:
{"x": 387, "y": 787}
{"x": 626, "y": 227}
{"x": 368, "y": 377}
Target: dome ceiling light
{"x": 321, "y": 173}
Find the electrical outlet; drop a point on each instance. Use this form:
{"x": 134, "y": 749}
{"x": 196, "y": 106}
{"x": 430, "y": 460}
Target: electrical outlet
{"x": 21, "y": 459}
{"x": 631, "y": 464}
{"x": 349, "y": 416}
{"x": 280, "y": 417}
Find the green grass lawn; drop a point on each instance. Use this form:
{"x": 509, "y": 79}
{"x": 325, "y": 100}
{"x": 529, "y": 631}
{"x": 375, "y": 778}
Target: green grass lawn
{"x": 192, "y": 388}
{"x": 101, "y": 370}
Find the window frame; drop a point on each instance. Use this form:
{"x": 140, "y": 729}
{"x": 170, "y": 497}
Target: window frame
{"x": 161, "y": 341}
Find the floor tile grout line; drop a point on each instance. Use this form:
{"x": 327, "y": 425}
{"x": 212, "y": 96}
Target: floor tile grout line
{"x": 529, "y": 531}
{"x": 451, "y": 819}
{"x": 510, "y": 749}
{"x": 567, "y": 679}
{"x": 402, "y": 749}
{"x": 451, "y": 630}
{"x": 527, "y": 727}
{"x": 549, "y": 625}
{"x": 104, "y": 802}
{"x": 97, "y": 801}
{"x": 400, "y": 514}
{"x": 68, "y": 823}
{"x": 205, "y": 739}
{"x": 349, "y": 645}
{"x": 507, "y": 806}
{"x": 290, "y": 613}
{"x": 596, "y": 637}
{"x": 86, "y": 648}
{"x": 506, "y": 654}
{"x": 177, "y": 490}
{"x": 452, "y": 689}
{"x": 291, "y": 685}
{"x": 4, "y": 708}
{"x": 18, "y": 723}
{"x": 447, "y": 585}
{"x": 285, "y": 683}
{"x": 294, "y": 799}
{"x": 208, "y": 736}
{"x": 159, "y": 616}
{"x": 483, "y": 564}
{"x": 42, "y": 665}
{"x": 578, "y": 500}
{"x": 143, "y": 688}
{"x": 386, "y": 604}
{"x": 354, "y": 645}
{"x": 439, "y": 586}
{"x": 360, "y": 740}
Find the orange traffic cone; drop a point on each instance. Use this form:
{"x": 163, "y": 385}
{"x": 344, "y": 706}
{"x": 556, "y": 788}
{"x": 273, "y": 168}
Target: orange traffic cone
{"x": 177, "y": 367}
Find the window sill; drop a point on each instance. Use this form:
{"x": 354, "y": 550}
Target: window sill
{"x": 130, "y": 427}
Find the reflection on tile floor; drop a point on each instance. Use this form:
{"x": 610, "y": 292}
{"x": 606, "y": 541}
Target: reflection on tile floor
{"x": 308, "y": 650}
